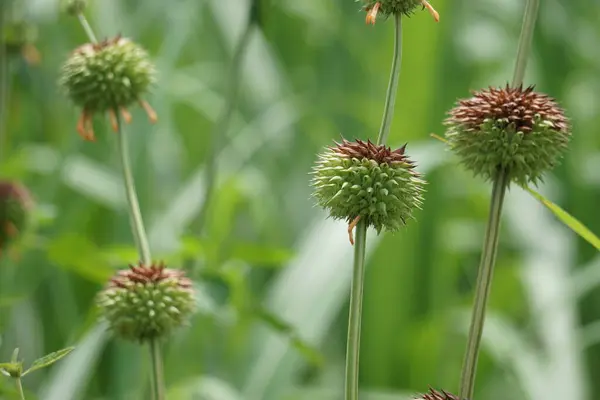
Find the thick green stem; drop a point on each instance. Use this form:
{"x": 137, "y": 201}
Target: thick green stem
{"x": 157, "y": 371}
{"x": 355, "y": 315}
{"x": 221, "y": 126}
{"x": 390, "y": 98}
{"x": 525, "y": 41}
{"x": 484, "y": 283}
{"x": 20, "y": 389}
{"x": 358, "y": 277}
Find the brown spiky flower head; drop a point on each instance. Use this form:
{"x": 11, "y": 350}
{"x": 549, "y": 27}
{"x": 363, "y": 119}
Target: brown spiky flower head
{"x": 385, "y": 8}
{"x": 517, "y": 130}
{"x": 435, "y": 395}
{"x": 361, "y": 180}
{"x": 147, "y": 302}
{"x": 107, "y": 77}
{"x": 15, "y": 210}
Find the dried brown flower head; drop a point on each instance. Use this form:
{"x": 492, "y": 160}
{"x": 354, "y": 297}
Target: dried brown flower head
{"x": 516, "y": 106}
{"x": 371, "y": 151}
{"x": 435, "y": 395}
{"x": 147, "y": 302}
{"x": 514, "y": 129}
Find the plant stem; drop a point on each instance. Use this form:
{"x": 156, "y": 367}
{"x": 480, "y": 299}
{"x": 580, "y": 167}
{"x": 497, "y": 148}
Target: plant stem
{"x": 390, "y": 99}
{"x": 484, "y": 283}
{"x": 355, "y": 315}
{"x": 137, "y": 227}
{"x": 137, "y": 223}
{"x": 358, "y": 277}
{"x": 141, "y": 240}
{"x": 525, "y": 41}
{"x": 157, "y": 370}
{"x": 3, "y": 78}
{"x": 222, "y": 123}
{"x": 20, "y": 388}
{"x": 87, "y": 28}
{"x": 490, "y": 248}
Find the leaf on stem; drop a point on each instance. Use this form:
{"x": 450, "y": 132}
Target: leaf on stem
{"x": 48, "y": 359}
{"x": 312, "y": 355}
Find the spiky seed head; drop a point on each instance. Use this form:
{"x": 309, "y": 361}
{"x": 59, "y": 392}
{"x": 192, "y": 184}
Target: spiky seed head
{"x": 75, "y": 7}
{"x": 515, "y": 129}
{"x": 391, "y": 7}
{"x": 147, "y": 302}
{"x": 107, "y": 76}
{"x": 361, "y": 179}
{"x": 435, "y": 395}
{"x": 15, "y": 210}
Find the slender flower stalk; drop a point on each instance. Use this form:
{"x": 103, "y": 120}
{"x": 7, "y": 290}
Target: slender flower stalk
{"x": 141, "y": 239}
{"x": 358, "y": 277}
{"x": 484, "y": 283}
{"x": 355, "y": 315}
{"x": 157, "y": 370}
{"x": 490, "y": 248}
{"x": 20, "y": 388}
{"x": 87, "y": 27}
{"x": 3, "y": 76}
{"x": 137, "y": 226}
{"x": 392, "y": 90}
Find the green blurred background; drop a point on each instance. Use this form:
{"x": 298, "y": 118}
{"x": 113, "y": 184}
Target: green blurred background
{"x": 314, "y": 71}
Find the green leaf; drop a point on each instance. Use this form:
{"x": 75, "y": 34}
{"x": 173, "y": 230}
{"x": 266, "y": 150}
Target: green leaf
{"x": 260, "y": 255}
{"x": 312, "y": 355}
{"x": 79, "y": 255}
{"x": 567, "y": 219}
{"x": 48, "y": 359}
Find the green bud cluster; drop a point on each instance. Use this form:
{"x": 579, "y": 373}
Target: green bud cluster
{"x": 108, "y": 75}
{"x": 75, "y": 7}
{"x": 15, "y": 210}
{"x": 147, "y": 302}
{"x": 360, "y": 179}
{"x": 391, "y": 7}
{"x": 18, "y": 34}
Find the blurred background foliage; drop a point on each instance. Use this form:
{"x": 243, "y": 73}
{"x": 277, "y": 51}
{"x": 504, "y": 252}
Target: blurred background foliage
{"x": 268, "y": 260}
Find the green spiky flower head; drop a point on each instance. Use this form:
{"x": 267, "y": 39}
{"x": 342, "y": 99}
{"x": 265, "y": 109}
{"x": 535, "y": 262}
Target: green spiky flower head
{"x": 520, "y": 131}
{"x": 147, "y": 302}
{"x": 435, "y": 395}
{"x": 75, "y": 7}
{"x": 15, "y": 210}
{"x": 390, "y": 7}
{"x": 361, "y": 179}
{"x": 394, "y": 7}
{"x": 107, "y": 76}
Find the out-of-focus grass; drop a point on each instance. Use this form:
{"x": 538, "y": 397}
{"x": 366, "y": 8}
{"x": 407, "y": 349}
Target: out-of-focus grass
{"x": 313, "y": 72}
